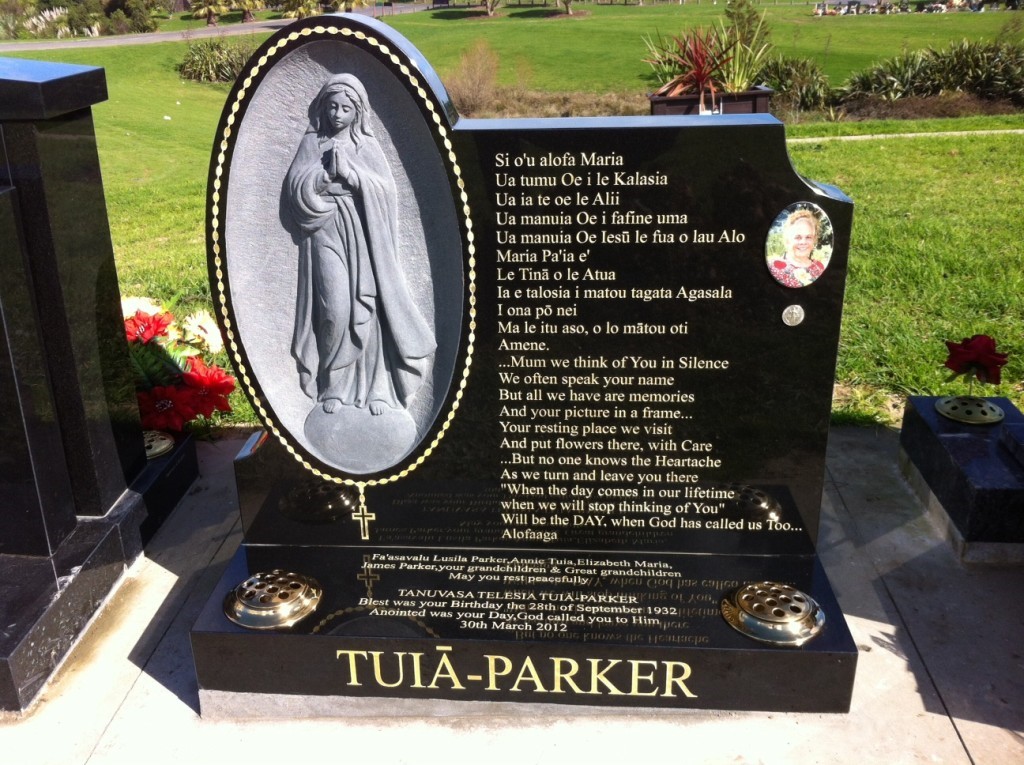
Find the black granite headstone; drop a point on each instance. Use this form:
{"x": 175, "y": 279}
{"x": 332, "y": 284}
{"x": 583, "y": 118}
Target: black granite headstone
{"x": 78, "y": 495}
{"x": 633, "y": 425}
{"x": 51, "y": 159}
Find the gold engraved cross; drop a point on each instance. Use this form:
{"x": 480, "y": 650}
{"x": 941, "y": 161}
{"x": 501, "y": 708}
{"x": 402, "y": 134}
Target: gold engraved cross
{"x": 364, "y": 517}
{"x": 368, "y": 577}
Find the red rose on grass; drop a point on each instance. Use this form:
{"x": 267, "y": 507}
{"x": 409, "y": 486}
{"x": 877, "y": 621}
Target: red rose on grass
{"x": 210, "y": 386}
{"x": 976, "y": 355}
{"x": 167, "y": 407}
{"x": 143, "y": 326}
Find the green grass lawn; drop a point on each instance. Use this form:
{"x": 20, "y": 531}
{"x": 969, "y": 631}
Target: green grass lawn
{"x": 935, "y": 255}
{"x": 936, "y": 242}
{"x": 600, "y": 48}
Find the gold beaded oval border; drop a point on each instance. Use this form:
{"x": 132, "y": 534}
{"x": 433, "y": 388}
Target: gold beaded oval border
{"x": 216, "y": 249}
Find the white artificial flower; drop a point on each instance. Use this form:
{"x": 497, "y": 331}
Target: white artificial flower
{"x": 202, "y": 326}
{"x": 129, "y": 305}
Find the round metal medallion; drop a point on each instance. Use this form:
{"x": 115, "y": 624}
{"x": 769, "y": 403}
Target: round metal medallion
{"x": 270, "y": 601}
{"x": 793, "y": 315}
{"x": 773, "y": 613}
{"x": 156, "y": 443}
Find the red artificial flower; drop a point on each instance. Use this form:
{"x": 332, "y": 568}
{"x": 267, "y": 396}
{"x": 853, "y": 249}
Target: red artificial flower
{"x": 143, "y": 327}
{"x": 211, "y": 386}
{"x": 167, "y": 407}
{"x": 976, "y": 355}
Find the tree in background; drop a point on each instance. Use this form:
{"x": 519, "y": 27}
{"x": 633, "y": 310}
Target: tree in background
{"x": 210, "y": 10}
{"x": 746, "y": 23}
{"x": 247, "y": 7}
{"x": 128, "y": 16}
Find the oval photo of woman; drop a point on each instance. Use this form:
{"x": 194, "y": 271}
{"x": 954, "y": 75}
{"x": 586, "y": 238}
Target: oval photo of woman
{"x": 799, "y": 245}
{"x": 343, "y": 262}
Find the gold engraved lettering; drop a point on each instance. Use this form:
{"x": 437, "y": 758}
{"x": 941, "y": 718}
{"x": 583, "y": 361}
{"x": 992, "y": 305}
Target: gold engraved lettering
{"x": 646, "y": 677}
{"x": 378, "y": 676}
{"x": 447, "y": 671}
{"x": 671, "y": 679}
{"x": 599, "y": 677}
{"x": 634, "y": 688}
{"x": 529, "y": 673}
{"x": 492, "y": 672}
{"x": 353, "y": 672}
{"x": 561, "y": 675}
{"x": 417, "y": 670}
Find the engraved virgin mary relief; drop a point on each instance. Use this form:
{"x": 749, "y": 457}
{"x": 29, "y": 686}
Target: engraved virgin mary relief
{"x": 345, "y": 262}
{"x": 360, "y": 343}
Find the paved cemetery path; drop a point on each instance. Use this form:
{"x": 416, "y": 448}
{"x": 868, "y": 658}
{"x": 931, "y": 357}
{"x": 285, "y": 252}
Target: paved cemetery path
{"x": 884, "y": 136}
{"x": 200, "y": 30}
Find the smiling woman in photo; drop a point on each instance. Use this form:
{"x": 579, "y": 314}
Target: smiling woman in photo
{"x": 806, "y": 249}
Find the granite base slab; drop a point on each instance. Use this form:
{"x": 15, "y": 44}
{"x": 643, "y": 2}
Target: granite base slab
{"x": 968, "y": 478}
{"x": 640, "y": 631}
{"x": 47, "y": 602}
{"x": 164, "y": 481}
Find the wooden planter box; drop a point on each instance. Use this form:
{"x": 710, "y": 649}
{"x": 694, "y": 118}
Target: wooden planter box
{"x": 753, "y": 101}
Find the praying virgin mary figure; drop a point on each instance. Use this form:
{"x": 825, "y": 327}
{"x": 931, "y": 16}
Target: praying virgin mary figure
{"x": 359, "y": 338}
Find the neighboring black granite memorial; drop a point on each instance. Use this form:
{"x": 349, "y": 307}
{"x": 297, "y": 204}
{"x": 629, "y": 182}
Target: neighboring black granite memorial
{"x": 78, "y": 497}
{"x": 970, "y": 477}
{"x": 546, "y": 401}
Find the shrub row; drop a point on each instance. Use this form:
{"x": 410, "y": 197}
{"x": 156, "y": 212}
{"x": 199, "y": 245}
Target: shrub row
{"x": 993, "y": 71}
{"x": 216, "y": 59}
{"x": 989, "y": 70}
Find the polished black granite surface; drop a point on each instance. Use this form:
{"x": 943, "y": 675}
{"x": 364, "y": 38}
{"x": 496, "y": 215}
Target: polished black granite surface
{"x": 50, "y": 158}
{"x": 46, "y": 602}
{"x": 594, "y": 629}
{"x": 40, "y": 90}
{"x": 38, "y": 508}
{"x": 79, "y": 497}
{"x": 635, "y": 424}
{"x": 972, "y": 470}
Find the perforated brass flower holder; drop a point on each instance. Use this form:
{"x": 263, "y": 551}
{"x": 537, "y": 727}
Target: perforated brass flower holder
{"x": 754, "y": 503}
{"x": 157, "y": 443}
{"x": 773, "y": 613}
{"x": 272, "y": 601}
{"x": 969, "y": 409}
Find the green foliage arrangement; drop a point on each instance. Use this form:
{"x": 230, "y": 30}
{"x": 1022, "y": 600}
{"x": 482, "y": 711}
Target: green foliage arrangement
{"x": 990, "y": 70}
{"x": 87, "y": 18}
{"x": 749, "y": 53}
{"x": 696, "y": 57}
{"x": 728, "y": 57}
{"x": 216, "y": 59}
{"x": 799, "y": 83}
